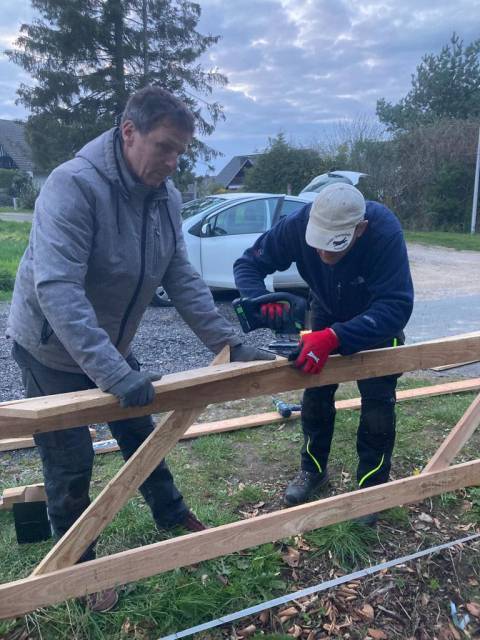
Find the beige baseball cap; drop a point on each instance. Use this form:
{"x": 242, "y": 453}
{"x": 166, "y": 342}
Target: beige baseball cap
{"x": 334, "y": 214}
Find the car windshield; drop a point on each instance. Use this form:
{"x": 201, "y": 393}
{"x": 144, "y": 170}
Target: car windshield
{"x": 201, "y": 205}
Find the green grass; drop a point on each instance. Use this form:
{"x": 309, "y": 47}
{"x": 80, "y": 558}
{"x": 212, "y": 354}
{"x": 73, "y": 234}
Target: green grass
{"x": 445, "y": 239}
{"x": 221, "y": 476}
{"x": 347, "y": 542}
{"x": 13, "y": 242}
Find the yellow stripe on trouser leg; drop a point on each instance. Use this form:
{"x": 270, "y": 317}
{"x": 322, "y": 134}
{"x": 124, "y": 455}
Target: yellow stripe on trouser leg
{"x": 370, "y": 473}
{"x": 317, "y": 464}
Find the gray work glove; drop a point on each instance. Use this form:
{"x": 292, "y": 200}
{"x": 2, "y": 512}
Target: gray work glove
{"x": 245, "y": 353}
{"x": 135, "y": 389}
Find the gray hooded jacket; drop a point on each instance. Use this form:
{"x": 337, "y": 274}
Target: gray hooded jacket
{"x": 101, "y": 243}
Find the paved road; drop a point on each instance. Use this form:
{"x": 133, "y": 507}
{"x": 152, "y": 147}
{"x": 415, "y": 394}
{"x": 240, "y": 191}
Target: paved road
{"x": 14, "y": 216}
{"x": 445, "y": 317}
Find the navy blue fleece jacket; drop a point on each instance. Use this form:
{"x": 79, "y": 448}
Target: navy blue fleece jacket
{"x": 366, "y": 298}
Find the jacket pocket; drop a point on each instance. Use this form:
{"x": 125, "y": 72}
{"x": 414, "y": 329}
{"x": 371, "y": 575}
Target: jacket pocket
{"x": 46, "y": 333}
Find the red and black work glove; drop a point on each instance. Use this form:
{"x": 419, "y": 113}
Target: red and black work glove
{"x": 276, "y": 315}
{"x": 314, "y": 349}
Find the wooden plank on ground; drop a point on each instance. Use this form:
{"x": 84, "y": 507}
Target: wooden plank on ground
{"x": 445, "y": 367}
{"x": 272, "y": 417}
{"x": 12, "y": 444}
{"x": 225, "y": 383}
{"x": 27, "y": 493}
{"x": 456, "y": 439}
{"x": 22, "y": 596}
{"x": 122, "y": 486}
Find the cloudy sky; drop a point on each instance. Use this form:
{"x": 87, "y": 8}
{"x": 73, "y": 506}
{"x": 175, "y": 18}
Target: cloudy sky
{"x": 297, "y": 66}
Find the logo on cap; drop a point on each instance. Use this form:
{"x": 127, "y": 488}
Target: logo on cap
{"x": 339, "y": 240}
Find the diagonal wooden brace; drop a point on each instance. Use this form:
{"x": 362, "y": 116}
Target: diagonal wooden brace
{"x": 124, "y": 484}
{"x": 458, "y": 436}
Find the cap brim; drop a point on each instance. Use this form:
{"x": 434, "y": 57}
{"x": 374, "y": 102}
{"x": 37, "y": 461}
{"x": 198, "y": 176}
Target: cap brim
{"x": 326, "y": 240}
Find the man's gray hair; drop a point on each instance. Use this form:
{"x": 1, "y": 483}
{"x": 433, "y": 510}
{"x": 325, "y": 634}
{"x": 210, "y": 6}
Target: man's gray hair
{"x": 151, "y": 106}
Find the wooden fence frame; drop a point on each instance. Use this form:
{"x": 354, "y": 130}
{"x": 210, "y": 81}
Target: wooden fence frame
{"x": 56, "y": 578}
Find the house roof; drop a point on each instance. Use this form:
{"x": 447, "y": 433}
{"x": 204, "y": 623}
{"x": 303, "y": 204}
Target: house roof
{"x": 232, "y": 168}
{"x": 12, "y": 138}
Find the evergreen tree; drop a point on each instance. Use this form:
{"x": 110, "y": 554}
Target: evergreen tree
{"x": 446, "y": 85}
{"x": 88, "y": 56}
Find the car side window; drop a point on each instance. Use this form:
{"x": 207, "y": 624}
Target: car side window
{"x": 289, "y": 206}
{"x": 246, "y": 217}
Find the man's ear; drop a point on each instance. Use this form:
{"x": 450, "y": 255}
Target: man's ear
{"x": 361, "y": 228}
{"x": 128, "y": 129}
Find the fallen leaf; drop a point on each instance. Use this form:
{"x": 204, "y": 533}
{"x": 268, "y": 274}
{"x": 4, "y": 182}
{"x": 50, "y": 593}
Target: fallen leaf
{"x": 286, "y": 614}
{"x": 456, "y": 635}
{"x": 444, "y": 634}
{"x": 473, "y": 609}
{"x": 247, "y": 631}
{"x": 367, "y": 612}
{"x": 295, "y": 631}
{"x": 311, "y": 635}
{"x": 292, "y": 557}
{"x": 424, "y": 517}
{"x": 301, "y": 544}
{"x": 425, "y": 599}
{"x": 127, "y": 627}
{"x": 347, "y": 591}
{"x": 377, "y": 634}
{"x": 264, "y": 617}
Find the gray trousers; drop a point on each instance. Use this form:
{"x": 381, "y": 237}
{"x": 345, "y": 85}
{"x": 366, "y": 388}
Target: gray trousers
{"x": 67, "y": 455}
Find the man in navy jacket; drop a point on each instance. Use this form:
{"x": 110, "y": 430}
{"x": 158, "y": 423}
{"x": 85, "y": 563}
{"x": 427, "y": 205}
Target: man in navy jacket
{"x": 352, "y": 254}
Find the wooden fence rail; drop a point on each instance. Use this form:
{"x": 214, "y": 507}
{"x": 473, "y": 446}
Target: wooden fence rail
{"x": 185, "y": 395}
{"x": 222, "y": 383}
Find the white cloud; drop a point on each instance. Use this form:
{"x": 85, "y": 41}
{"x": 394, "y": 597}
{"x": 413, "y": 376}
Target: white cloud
{"x": 298, "y": 65}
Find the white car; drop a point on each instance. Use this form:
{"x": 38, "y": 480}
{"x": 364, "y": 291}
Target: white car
{"x": 219, "y": 228}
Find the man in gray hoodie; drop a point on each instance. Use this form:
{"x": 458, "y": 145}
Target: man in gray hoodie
{"x": 106, "y": 233}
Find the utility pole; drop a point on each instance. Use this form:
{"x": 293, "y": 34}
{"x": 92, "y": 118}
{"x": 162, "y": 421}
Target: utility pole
{"x": 475, "y": 188}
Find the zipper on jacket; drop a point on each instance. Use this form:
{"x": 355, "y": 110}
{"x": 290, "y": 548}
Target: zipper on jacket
{"x": 132, "y": 302}
{"x": 172, "y": 226}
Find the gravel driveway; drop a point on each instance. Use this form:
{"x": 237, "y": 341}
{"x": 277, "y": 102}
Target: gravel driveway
{"x": 439, "y": 272}
{"x": 165, "y": 342}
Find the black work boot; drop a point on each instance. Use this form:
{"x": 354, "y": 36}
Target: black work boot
{"x": 303, "y": 486}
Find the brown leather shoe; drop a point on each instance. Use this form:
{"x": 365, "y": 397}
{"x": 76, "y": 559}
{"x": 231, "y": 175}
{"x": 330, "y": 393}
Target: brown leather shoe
{"x": 192, "y": 523}
{"x": 102, "y": 601}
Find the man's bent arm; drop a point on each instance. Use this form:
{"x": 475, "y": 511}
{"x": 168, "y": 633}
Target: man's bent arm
{"x": 271, "y": 252}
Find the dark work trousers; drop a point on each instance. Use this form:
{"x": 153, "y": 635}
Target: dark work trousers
{"x": 67, "y": 455}
{"x": 375, "y": 435}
